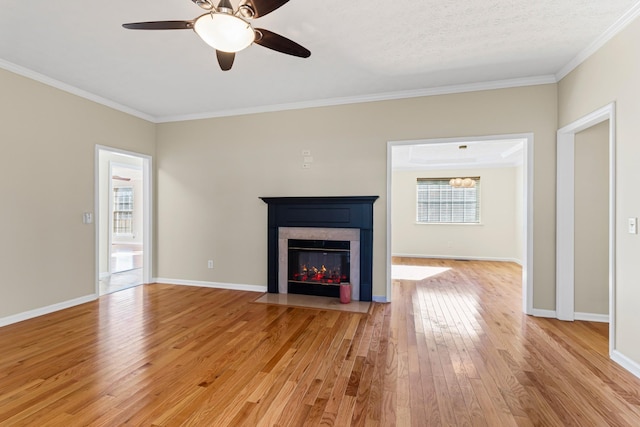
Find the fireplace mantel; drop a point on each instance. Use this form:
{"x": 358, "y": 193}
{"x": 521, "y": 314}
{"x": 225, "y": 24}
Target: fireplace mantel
{"x": 322, "y": 212}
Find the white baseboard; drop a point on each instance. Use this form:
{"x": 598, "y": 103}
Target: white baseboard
{"x": 216, "y": 285}
{"x": 628, "y": 364}
{"x": 455, "y": 257}
{"x": 588, "y": 317}
{"x": 544, "y": 313}
{"x": 591, "y": 317}
{"x": 26, "y": 315}
{"x": 377, "y": 298}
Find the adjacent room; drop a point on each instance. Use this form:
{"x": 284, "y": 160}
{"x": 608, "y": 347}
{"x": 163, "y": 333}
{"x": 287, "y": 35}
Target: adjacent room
{"x": 462, "y": 200}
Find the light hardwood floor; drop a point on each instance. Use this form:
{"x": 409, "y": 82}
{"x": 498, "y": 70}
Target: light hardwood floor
{"x": 453, "y": 349}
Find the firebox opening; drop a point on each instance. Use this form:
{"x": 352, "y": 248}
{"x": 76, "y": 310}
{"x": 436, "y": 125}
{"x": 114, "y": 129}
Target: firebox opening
{"x": 317, "y": 267}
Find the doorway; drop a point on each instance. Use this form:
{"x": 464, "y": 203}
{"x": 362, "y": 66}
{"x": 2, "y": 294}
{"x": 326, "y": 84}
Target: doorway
{"x": 122, "y": 219}
{"x": 565, "y": 221}
{"x": 510, "y": 160}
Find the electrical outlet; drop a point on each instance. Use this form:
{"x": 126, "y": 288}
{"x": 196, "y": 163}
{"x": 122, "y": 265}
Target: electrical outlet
{"x": 210, "y": 263}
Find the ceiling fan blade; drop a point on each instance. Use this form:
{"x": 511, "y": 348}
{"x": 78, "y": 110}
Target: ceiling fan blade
{"x": 259, "y": 7}
{"x": 280, "y": 43}
{"x": 225, "y": 59}
{"x": 160, "y": 25}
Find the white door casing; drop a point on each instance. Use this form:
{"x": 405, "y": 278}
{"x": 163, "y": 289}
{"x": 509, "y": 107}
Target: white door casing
{"x": 147, "y": 210}
{"x": 565, "y": 233}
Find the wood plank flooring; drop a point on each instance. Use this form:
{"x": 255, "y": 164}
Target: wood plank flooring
{"x": 453, "y": 349}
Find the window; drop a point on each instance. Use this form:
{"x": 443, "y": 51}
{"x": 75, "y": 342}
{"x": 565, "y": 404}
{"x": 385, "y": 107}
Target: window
{"x": 440, "y": 203}
{"x": 123, "y": 210}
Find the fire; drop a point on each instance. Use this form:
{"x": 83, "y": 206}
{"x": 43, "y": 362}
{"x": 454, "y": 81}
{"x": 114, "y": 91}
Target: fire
{"x": 319, "y": 275}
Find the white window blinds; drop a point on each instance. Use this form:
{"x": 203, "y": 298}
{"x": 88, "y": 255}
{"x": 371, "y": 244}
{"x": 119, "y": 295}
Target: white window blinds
{"x": 440, "y": 203}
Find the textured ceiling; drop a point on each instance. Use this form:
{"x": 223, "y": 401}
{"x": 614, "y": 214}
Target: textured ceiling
{"x": 360, "y": 50}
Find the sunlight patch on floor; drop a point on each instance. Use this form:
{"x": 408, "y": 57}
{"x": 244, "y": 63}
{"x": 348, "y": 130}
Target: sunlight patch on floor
{"x": 415, "y": 272}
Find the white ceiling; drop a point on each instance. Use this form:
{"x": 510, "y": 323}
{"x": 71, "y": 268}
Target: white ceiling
{"x": 131, "y": 173}
{"x": 360, "y": 50}
{"x": 459, "y": 155}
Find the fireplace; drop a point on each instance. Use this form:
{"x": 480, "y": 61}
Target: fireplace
{"x": 315, "y": 232}
{"x": 317, "y": 267}
{"x": 347, "y": 239}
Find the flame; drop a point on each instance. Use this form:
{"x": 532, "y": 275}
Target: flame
{"x": 319, "y": 275}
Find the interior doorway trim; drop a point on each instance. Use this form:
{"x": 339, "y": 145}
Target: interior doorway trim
{"x": 147, "y": 167}
{"x": 527, "y": 165}
{"x": 565, "y": 250}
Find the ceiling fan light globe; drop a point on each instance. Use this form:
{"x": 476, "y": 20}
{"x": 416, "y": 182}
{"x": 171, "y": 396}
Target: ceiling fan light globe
{"x": 224, "y": 32}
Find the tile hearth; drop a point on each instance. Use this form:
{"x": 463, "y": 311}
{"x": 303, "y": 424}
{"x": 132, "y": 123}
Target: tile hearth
{"x": 312, "y": 301}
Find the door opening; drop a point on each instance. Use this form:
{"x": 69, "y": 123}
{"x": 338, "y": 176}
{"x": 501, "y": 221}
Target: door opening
{"x": 122, "y": 219}
{"x": 565, "y": 220}
{"x": 508, "y": 159}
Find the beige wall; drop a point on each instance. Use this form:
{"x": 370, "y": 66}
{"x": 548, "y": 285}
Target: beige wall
{"x": 48, "y": 137}
{"x": 612, "y": 74}
{"x": 496, "y": 237}
{"x": 211, "y": 173}
{"x": 591, "y": 271}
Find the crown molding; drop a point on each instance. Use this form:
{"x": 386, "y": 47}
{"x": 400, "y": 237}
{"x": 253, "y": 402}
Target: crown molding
{"x": 33, "y": 75}
{"x": 385, "y": 96}
{"x": 613, "y": 30}
{"x": 610, "y": 33}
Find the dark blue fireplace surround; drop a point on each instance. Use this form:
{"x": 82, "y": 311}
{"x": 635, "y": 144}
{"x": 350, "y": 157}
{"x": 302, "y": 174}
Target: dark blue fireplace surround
{"x": 322, "y": 212}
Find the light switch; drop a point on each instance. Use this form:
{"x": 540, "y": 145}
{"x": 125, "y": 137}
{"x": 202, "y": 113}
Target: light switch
{"x": 87, "y": 218}
{"x": 633, "y": 225}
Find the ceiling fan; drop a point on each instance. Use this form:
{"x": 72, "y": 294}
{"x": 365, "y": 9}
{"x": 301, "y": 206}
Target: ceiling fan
{"x": 228, "y": 31}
